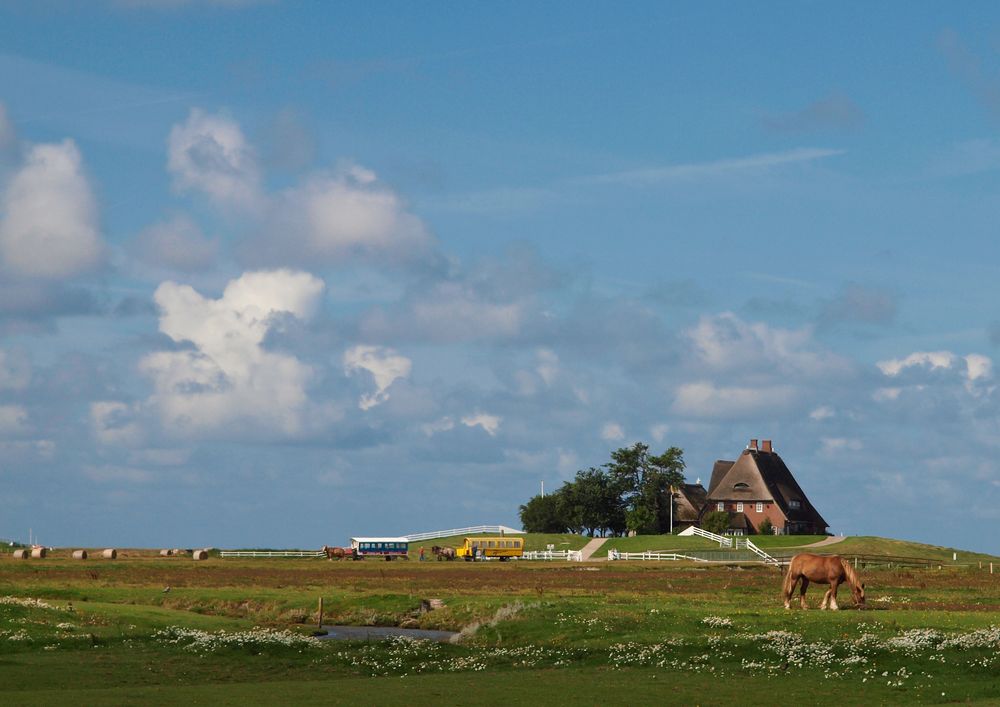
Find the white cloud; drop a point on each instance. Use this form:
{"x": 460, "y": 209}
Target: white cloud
{"x": 927, "y": 359}
{"x": 13, "y": 420}
{"x": 833, "y": 445}
{"x": 385, "y": 365}
{"x": 705, "y": 399}
{"x": 49, "y": 227}
{"x": 114, "y": 423}
{"x": 229, "y": 377}
{"x": 443, "y": 425}
{"x": 612, "y": 432}
{"x": 978, "y": 366}
{"x": 823, "y": 412}
{"x": 176, "y": 243}
{"x": 659, "y": 432}
{"x": 209, "y": 154}
{"x": 548, "y": 365}
{"x": 15, "y": 371}
{"x": 490, "y": 423}
{"x": 883, "y": 395}
{"x": 342, "y": 216}
{"x": 725, "y": 342}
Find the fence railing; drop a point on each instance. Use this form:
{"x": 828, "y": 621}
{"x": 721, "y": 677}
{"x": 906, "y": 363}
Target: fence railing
{"x": 272, "y": 553}
{"x": 757, "y": 551}
{"x": 615, "y": 555}
{"x": 698, "y": 532}
{"x": 568, "y": 555}
{"x": 474, "y": 530}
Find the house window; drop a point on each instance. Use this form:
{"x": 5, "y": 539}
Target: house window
{"x": 720, "y": 506}
{"x": 760, "y": 507}
{"x": 739, "y": 507}
{"x": 794, "y": 504}
{"x": 741, "y": 486}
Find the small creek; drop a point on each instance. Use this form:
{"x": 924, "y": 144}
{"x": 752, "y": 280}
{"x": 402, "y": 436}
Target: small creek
{"x": 378, "y": 633}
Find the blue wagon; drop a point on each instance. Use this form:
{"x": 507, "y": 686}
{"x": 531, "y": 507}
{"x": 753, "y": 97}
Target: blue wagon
{"x": 389, "y": 548}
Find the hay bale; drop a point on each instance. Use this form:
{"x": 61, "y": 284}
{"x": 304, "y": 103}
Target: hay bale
{"x": 200, "y": 555}
{"x": 79, "y": 554}
{"x": 20, "y": 554}
{"x": 165, "y": 553}
{"x": 110, "y": 554}
{"x": 177, "y": 551}
{"x": 38, "y": 553}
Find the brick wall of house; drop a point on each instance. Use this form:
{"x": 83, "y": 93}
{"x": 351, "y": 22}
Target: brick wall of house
{"x": 771, "y": 511}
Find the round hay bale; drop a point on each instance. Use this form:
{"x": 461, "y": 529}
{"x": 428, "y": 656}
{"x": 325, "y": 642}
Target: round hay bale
{"x": 79, "y": 554}
{"x": 200, "y": 554}
{"x": 38, "y": 553}
{"x": 165, "y": 553}
{"x": 110, "y": 554}
{"x": 20, "y": 554}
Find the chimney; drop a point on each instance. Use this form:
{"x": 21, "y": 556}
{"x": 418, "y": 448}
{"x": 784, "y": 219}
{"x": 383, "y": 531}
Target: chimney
{"x": 766, "y": 446}
{"x": 752, "y": 445}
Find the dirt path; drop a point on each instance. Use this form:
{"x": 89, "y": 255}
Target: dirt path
{"x": 833, "y": 539}
{"x": 592, "y": 547}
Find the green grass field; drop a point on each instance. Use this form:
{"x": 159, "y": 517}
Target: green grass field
{"x": 238, "y": 632}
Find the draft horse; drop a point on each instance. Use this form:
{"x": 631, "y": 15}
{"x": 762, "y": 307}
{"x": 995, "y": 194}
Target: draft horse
{"x": 336, "y": 553}
{"x": 822, "y": 569}
{"x": 444, "y": 553}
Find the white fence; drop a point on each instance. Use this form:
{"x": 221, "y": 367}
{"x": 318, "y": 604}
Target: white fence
{"x": 272, "y": 553}
{"x": 768, "y": 560}
{"x": 698, "y": 532}
{"x": 568, "y": 555}
{"x": 474, "y": 530}
{"x": 615, "y": 555}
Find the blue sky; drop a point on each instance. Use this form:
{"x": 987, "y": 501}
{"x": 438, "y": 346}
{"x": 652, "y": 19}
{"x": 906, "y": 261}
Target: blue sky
{"x": 274, "y": 274}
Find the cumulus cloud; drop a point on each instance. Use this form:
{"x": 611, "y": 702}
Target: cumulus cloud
{"x": 836, "y": 111}
{"x": 114, "y": 423}
{"x": 823, "y": 412}
{"x": 208, "y": 153}
{"x": 13, "y": 420}
{"x": 708, "y": 400}
{"x": 385, "y": 366}
{"x": 831, "y": 446}
{"x": 176, "y": 243}
{"x": 229, "y": 377}
{"x": 925, "y": 359}
{"x": 49, "y": 223}
{"x": 341, "y": 216}
{"x": 612, "y": 432}
{"x": 15, "y": 371}
{"x": 490, "y": 423}
{"x": 725, "y": 342}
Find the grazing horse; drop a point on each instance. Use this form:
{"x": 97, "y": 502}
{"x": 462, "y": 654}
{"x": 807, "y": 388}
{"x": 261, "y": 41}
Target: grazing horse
{"x": 335, "y": 553}
{"x": 444, "y": 553}
{"x": 822, "y": 569}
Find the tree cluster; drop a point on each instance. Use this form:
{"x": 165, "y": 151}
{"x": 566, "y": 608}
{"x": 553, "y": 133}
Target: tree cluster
{"x": 632, "y": 492}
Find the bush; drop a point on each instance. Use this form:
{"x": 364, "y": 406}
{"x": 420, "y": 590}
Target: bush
{"x": 766, "y": 527}
{"x": 715, "y": 522}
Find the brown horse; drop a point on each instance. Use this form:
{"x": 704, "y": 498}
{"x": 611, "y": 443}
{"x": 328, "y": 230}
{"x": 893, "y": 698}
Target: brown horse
{"x": 336, "y": 553}
{"x": 444, "y": 553}
{"x": 821, "y": 569}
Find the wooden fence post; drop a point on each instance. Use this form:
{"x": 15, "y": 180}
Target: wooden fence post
{"x": 319, "y": 619}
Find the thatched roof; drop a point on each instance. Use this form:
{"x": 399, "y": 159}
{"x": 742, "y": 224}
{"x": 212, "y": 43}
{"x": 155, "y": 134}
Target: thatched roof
{"x": 690, "y": 500}
{"x": 763, "y": 476}
{"x": 718, "y": 471}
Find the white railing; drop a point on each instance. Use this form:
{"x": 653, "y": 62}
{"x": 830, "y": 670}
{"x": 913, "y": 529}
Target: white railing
{"x": 474, "y": 530}
{"x": 615, "y": 555}
{"x": 768, "y": 560}
{"x": 721, "y": 539}
{"x": 568, "y": 555}
{"x": 272, "y": 553}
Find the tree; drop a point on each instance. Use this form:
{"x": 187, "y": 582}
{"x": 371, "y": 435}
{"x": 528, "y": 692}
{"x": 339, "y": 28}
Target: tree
{"x": 644, "y": 481}
{"x": 766, "y": 527}
{"x": 715, "y": 522}
{"x": 541, "y": 515}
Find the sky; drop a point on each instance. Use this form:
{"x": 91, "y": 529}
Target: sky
{"x": 274, "y": 274}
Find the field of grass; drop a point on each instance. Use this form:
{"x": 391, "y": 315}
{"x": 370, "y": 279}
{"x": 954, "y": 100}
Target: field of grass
{"x": 99, "y": 632}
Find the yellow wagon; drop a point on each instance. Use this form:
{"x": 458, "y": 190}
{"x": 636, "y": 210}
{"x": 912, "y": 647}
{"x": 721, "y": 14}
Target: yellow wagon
{"x": 501, "y": 548}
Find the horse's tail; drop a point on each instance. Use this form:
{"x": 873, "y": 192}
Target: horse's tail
{"x": 789, "y": 584}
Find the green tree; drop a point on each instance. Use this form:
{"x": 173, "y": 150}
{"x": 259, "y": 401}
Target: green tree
{"x": 766, "y": 527}
{"x": 644, "y": 481}
{"x": 715, "y": 522}
{"x": 541, "y": 515}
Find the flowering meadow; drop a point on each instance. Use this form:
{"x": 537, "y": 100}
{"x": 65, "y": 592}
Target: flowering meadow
{"x": 543, "y": 632}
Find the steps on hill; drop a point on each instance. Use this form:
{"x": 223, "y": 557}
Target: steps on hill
{"x": 592, "y": 547}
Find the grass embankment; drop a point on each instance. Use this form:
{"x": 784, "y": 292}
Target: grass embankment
{"x": 533, "y": 632}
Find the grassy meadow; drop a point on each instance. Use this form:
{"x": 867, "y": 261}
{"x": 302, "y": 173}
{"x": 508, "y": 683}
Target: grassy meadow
{"x": 239, "y": 631}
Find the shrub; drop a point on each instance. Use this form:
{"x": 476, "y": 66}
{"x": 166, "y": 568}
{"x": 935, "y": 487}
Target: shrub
{"x": 715, "y": 522}
{"x": 766, "y": 527}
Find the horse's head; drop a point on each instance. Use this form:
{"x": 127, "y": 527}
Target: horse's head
{"x": 859, "y": 594}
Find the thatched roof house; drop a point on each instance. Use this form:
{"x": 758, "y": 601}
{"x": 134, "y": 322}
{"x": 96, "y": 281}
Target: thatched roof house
{"x": 759, "y": 485}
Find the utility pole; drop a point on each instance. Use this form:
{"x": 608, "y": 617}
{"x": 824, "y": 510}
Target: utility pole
{"x": 671, "y": 509}
{"x": 543, "y": 488}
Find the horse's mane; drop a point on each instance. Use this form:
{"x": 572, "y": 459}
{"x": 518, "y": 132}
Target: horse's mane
{"x": 852, "y": 576}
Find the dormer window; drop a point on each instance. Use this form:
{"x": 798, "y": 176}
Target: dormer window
{"x": 741, "y": 486}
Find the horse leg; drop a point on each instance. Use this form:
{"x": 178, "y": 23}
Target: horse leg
{"x": 825, "y": 604}
{"x": 833, "y": 595}
{"x": 802, "y": 593}
{"x": 789, "y": 592}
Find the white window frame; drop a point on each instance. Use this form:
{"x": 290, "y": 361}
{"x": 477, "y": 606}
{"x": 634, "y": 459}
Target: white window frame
{"x": 739, "y": 507}
{"x": 720, "y": 506}
{"x": 760, "y": 507}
